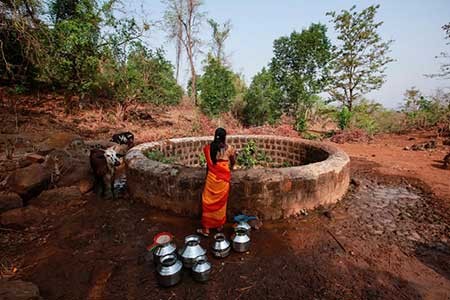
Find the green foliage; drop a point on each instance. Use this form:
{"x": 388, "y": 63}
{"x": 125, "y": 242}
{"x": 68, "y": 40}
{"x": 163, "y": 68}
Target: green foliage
{"x": 216, "y": 88}
{"x": 238, "y": 103}
{"x": 202, "y": 159}
{"x": 219, "y": 35}
{"x": 250, "y": 156}
{"x": 310, "y": 136}
{"x": 360, "y": 58}
{"x": 73, "y": 51}
{"x": 262, "y": 100}
{"x": 83, "y": 47}
{"x": 344, "y": 116}
{"x": 300, "y": 66}
{"x": 422, "y": 112}
{"x": 157, "y": 155}
{"x": 146, "y": 76}
{"x": 301, "y": 124}
{"x": 445, "y": 57}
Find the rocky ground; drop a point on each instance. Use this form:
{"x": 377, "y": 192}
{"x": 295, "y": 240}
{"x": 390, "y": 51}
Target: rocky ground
{"x": 387, "y": 239}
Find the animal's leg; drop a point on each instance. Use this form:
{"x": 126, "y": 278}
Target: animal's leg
{"x": 112, "y": 185}
{"x": 107, "y": 181}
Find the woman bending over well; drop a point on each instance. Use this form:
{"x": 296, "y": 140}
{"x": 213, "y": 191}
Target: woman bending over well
{"x": 220, "y": 159}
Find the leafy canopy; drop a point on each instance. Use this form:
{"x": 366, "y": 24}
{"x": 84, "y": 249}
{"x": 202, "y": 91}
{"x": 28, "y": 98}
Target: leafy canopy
{"x": 360, "y": 58}
{"x": 216, "y": 88}
{"x": 262, "y": 99}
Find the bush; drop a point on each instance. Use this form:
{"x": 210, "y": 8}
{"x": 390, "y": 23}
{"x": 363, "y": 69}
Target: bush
{"x": 262, "y": 100}
{"x": 146, "y": 76}
{"x": 216, "y": 88}
{"x": 157, "y": 155}
{"x": 344, "y": 117}
{"x": 251, "y": 156}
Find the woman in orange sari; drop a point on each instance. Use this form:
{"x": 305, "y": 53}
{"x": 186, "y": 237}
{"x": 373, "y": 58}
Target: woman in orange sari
{"x": 220, "y": 159}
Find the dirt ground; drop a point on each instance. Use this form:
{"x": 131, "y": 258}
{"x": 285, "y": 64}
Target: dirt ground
{"x": 389, "y": 238}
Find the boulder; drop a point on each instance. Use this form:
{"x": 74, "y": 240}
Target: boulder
{"x": 56, "y": 141}
{"x": 80, "y": 170}
{"x": 22, "y": 217}
{"x": 35, "y": 158}
{"x": 18, "y": 290}
{"x": 29, "y": 182}
{"x": 86, "y": 185}
{"x": 9, "y": 201}
{"x": 57, "y": 197}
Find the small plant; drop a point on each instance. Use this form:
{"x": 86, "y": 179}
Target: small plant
{"x": 286, "y": 164}
{"x": 202, "y": 159}
{"x": 301, "y": 124}
{"x": 310, "y": 136}
{"x": 157, "y": 155}
{"x": 250, "y": 156}
{"x": 344, "y": 117}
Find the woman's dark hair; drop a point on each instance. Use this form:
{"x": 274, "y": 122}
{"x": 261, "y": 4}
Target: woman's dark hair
{"x": 218, "y": 143}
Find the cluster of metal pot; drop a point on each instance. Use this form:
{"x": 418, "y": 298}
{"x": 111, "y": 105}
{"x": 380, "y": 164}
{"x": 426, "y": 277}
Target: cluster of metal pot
{"x": 192, "y": 256}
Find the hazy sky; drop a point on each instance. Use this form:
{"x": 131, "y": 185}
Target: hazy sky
{"x": 414, "y": 25}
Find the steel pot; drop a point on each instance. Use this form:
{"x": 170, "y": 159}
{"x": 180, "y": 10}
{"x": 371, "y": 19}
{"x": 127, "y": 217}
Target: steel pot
{"x": 221, "y": 247}
{"x": 201, "y": 269}
{"x": 163, "y": 250}
{"x": 168, "y": 272}
{"x": 243, "y": 225}
{"x": 191, "y": 250}
{"x": 240, "y": 240}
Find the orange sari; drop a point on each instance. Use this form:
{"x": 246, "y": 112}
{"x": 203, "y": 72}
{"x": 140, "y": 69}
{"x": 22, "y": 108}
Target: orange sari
{"x": 215, "y": 193}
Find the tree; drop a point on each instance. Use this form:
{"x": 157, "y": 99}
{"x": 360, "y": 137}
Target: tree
{"x": 183, "y": 20}
{"x": 445, "y": 66}
{"x": 262, "y": 99}
{"x": 219, "y": 35}
{"x": 300, "y": 66}
{"x": 360, "y": 59}
{"x": 21, "y": 35}
{"x": 216, "y": 88}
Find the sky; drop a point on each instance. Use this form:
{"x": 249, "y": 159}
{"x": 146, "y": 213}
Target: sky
{"x": 414, "y": 25}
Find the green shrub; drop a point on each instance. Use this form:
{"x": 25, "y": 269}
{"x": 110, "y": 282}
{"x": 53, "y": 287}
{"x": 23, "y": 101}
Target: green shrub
{"x": 251, "y": 156}
{"x": 146, "y": 76}
{"x": 344, "y": 116}
{"x": 157, "y": 155}
{"x": 262, "y": 100}
{"x": 216, "y": 88}
{"x": 202, "y": 159}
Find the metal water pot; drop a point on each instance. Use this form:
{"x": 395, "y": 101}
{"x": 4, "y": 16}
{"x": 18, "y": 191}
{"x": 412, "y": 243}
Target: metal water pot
{"x": 168, "y": 272}
{"x": 191, "y": 250}
{"x": 221, "y": 247}
{"x": 240, "y": 240}
{"x": 163, "y": 250}
{"x": 201, "y": 269}
{"x": 243, "y": 225}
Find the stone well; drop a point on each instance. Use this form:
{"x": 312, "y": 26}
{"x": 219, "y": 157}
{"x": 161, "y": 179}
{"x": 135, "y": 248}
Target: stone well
{"x": 319, "y": 176}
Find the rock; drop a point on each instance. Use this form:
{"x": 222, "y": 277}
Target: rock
{"x": 424, "y": 146}
{"x": 79, "y": 170}
{"x": 446, "y": 161}
{"x": 86, "y": 185}
{"x": 256, "y": 224}
{"x": 22, "y": 217}
{"x": 57, "y": 197}
{"x": 18, "y": 290}
{"x": 56, "y": 141}
{"x": 35, "y": 158}
{"x": 30, "y": 181}
{"x": 9, "y": 201}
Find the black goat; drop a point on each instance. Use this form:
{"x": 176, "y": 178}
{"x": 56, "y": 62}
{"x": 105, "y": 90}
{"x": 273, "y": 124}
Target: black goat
{"x": 123, "y": 138}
